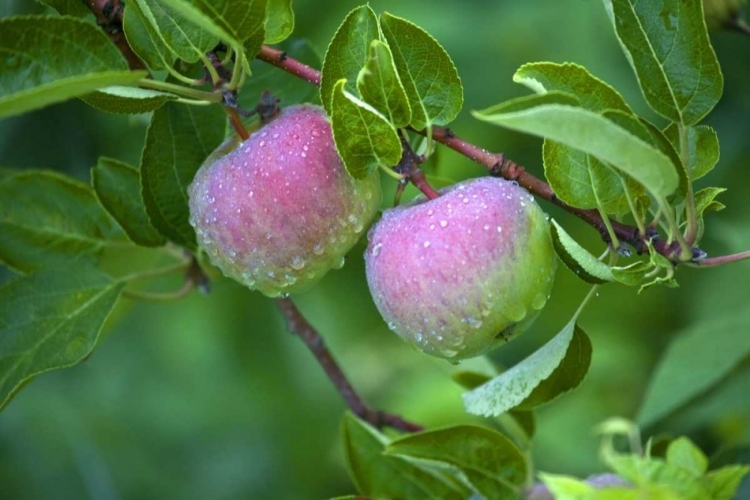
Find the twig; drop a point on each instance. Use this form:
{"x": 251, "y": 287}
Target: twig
{"x": 500, "y": 166}
{"x": 409, "y": 168}
{"x": 109, "y": 17}
{"x": 724, "y": 259}
{"x": 297, "y": 324}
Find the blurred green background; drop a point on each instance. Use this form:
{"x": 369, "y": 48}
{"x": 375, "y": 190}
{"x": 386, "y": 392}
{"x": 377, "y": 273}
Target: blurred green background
{"x": 210, "y": 397}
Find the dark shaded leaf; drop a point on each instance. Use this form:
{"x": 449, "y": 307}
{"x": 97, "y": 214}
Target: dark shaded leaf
{"x": 178, "y": 140}
{"x": 118, "y": 187}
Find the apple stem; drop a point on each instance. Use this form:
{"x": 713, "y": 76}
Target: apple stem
{"x": 234, "y": 119}
{"x": 297, "y": 324}
{"x": 409, "y": 168}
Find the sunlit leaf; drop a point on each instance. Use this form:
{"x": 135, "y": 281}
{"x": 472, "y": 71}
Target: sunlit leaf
{"x": 379, "y": 85}
{"x": 347, "y": 53}
{"x": 683, "y": 453}
{"x": 50, "y": 320}
{"x": 53, "y": 59}
{"x": 591, "y": 133}
{"x": 426, "y": 71}
{"x": 723, "y": 483}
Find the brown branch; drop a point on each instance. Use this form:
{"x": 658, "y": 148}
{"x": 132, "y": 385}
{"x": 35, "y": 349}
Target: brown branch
{"x": 499, "y": 166}
{"x": 281, "y": 60}
{"x": 109, "y": 17}
{"x": 297, "y": 324}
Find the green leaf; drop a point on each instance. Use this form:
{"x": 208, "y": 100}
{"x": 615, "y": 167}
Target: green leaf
{"x": 566, "y": 377}
{"x": 287, "y": 88}
{"x": 582, "y": 181}
{"x": 279, "y": 21}
{"x": 704, "y": 200}
{"x": 704, "y": 203}
{"x": 74, "y": 8}
{"x": 178, "y": 140}
{"x": 512, "y": 387}
{"x": 377, "y": 474}
{"x": 723, "y": 483}
{"x": 127, "y": 100}
{"x": 491, "y": 463}
{"x": 702, "y": 148}
{"x": 118, "y": 187}
{"x": 231, "y": 21}
{"x": 364, "y": 138}
{"x": 646, "y": 473}
{"x": 426, "y": 70}
{"x": 667, "y": 45}
{"x": 592, "y": 93}
{"x": 578, "y": 259}
{"x": 48, "y": 219}
{"x": 683, "y": 453}
{"x": 348, "y": 52}
{"x": 470, "y": 380}
{"x": 694, "y": 362}
{"x": 53, "y": 59}
{"x": 633, "y": 274}
{"x": 145, "y": 39}
{"x": 591, "y": 133}
{"x": 566, "y": 487}
{"x": 379, "y": 85}
{"x": 50, "y": 320}
{"x": 165, "y": 25}
{"x": 664, "y": 145}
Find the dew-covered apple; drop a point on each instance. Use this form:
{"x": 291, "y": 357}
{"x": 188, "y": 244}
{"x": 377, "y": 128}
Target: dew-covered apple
{"x": 279, "y": 210}
{"x": 465, "y": 272}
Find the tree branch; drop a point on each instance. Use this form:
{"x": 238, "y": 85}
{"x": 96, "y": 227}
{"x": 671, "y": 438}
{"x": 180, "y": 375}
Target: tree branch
{"x": 109, "y": 17}
{"x": 297, "y": 324}
{"x": 499, "y": 166}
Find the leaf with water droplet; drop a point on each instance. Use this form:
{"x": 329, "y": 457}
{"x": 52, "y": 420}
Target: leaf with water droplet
{"x": 511, "y": 388}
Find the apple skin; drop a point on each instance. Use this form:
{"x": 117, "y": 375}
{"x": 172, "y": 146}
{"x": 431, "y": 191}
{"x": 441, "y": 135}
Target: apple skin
{"x": 461, "y": 274}
{"x": 277, "y": 211}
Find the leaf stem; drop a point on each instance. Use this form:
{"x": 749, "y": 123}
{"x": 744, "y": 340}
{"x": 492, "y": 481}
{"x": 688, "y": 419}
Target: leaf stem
{"x": 691, "y": 230}
{"x": 238, "y": 71}
{"x": 180, "y": 90}
{"x": 210, "y": 68}
{"x": 159, "y": 271}
{"x": 633, "y": 207}
{"x": 392, "y": 173}
{"x": 184, "y": 291}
